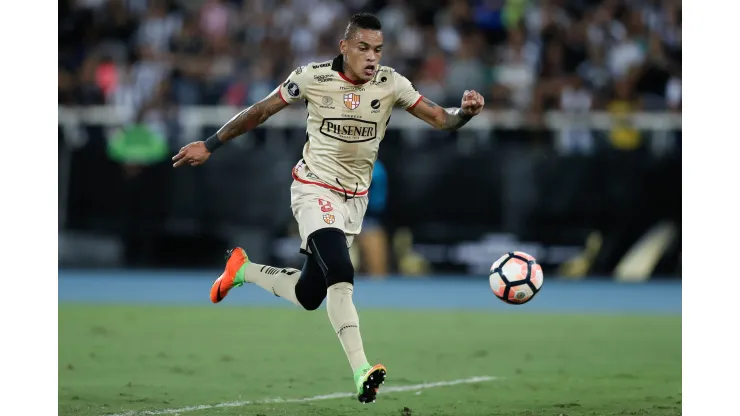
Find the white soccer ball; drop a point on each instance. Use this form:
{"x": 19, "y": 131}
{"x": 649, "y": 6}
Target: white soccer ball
{"x": 515, "y": 277}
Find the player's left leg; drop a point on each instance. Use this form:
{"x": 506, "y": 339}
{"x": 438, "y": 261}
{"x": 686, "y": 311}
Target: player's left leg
{"x": 329, "y": 248}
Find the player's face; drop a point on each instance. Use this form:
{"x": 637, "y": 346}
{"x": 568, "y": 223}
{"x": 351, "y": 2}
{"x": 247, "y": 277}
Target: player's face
{"x": 363, "y": 52}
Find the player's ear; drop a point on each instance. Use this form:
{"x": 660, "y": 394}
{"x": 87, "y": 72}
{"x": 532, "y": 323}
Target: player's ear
{"x": 343, "y": 47}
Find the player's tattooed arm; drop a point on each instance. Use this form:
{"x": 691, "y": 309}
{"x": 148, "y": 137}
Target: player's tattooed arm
{"x": 439, "y": 117}
{"x": 251, "y": 117}
{"x": 197, "y": 153}
{"x": 449, "y": 118}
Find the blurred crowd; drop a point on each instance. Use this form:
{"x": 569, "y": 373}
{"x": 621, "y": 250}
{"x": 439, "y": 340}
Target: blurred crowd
{"x": 575, "y": 55}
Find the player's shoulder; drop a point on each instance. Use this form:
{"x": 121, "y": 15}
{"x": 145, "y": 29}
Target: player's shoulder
{"x": 388, "y": 70}
{"x": 324, "y": 66}
{"x": 313, "y": 67}
{"x": 390, "y": 73}
{"x": 313, "y": 72}
{"x": 390, "y": 77}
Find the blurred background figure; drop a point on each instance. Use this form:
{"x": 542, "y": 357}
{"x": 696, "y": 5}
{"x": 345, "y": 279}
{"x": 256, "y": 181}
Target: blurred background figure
{"x": 140, "y": 152}
{"x": 373, "y": 248}
{"x": 577, "y": 160}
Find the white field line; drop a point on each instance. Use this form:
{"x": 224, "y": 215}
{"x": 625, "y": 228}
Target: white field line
{"x": 384, "y": 390}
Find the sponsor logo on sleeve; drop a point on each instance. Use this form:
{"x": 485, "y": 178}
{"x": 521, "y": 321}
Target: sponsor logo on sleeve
{"x": 293, "y": 89}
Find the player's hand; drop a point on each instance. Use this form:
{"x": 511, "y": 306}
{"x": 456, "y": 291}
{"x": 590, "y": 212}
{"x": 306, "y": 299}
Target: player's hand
{"x": 194, "y": 154}
{"x": 472, "y": 103}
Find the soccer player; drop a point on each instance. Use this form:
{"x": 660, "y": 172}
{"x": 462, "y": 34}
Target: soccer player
{"x": 349, "y": 102}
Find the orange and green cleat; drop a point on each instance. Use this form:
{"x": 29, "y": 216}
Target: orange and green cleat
{"x": 368, "y": 380}
{"x": 233, "y": 275}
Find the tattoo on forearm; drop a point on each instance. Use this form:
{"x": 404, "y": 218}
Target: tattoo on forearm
{"x": 250, "y": 118}
{"x": 454, "y": 119}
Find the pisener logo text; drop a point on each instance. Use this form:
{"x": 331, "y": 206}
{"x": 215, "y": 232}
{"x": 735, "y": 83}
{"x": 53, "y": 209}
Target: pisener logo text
{"x": 349, "y": 131}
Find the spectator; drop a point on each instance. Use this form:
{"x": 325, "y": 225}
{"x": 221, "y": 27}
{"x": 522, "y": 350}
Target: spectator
{"x": 673, "y": 93}
{"x": 627, "y": 53}
{"x": 465, "y": 71}
{"x": 187, "y": 50}
{"x": 157, "y": 28}
{"x": 514, "y": 77}
{"x": 575, "y": 100}
{"x": 216, "y": 19}
{"x": 624, "y": 136}
{"x": 594, "y": 71}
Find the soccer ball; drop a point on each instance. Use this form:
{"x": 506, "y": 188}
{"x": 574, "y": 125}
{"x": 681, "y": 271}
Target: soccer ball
{"x": 515, "y": 277}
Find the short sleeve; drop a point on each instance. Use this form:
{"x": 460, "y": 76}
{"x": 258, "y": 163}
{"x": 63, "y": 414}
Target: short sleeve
{"x": 294, "y": 87}
{"x": 406, "y": 94}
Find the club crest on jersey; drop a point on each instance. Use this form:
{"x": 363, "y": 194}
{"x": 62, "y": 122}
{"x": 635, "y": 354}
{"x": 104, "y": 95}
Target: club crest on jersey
{"x": 351, "y": 100}
{"x": 329, "y": 219}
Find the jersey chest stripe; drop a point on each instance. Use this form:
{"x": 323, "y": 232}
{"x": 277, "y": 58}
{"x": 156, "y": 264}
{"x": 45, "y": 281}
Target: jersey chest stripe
{"x": 323, "y": 185}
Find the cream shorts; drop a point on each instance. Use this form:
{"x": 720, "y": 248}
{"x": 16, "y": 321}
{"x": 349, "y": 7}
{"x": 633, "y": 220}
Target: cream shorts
{"x": 316, "y": 206}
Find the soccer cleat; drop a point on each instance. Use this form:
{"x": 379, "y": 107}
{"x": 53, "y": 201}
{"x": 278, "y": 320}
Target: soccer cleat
{"x": 233, "y": 275}
{"x": 368, "y": 380}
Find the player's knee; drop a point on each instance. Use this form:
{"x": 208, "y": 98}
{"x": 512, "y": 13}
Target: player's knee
{"x": 329, "y": 246}
{"x": 311, "y": 299}
{"x": 343, "y": 289}
{"x": 310, "y": 290}
{"x": 341, "y": 271}
{"x": 310, "y": 295}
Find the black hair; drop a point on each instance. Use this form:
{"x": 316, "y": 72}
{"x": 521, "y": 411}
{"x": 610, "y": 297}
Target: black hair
{"x": 361, "y": 21}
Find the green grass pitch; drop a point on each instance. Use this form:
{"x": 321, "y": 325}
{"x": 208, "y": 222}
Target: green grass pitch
{"x": 132, "y": 359}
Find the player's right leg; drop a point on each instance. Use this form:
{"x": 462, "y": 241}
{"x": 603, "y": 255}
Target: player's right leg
{"x": 306, "y": 288}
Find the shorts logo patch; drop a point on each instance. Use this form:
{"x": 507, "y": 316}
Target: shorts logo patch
{"x": 329, "y": 218}
{"x": 325, "y": 206}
